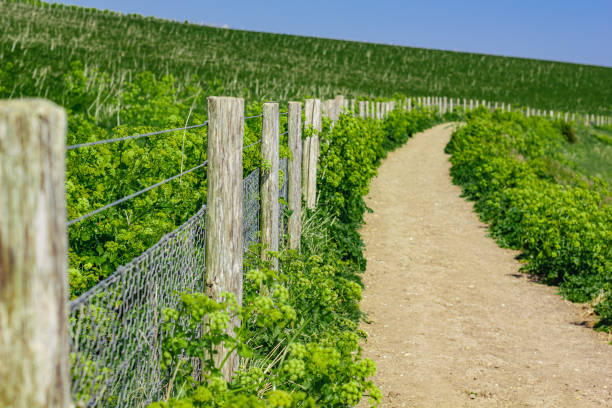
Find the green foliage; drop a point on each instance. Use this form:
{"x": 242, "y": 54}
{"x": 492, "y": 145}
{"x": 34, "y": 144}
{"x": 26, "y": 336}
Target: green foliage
{"x": 42, "y": 41}
{"x": 298, "y": 341}
{"x": 592, "y": 155}
{"x": 101, "y": 174}
{"x": 561, "y": 223}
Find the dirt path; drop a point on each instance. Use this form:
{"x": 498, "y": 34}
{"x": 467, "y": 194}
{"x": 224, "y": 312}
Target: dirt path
{"x": 453, "y": 323}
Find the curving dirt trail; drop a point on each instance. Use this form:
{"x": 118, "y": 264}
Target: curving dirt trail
{"x": 452, "y": 321}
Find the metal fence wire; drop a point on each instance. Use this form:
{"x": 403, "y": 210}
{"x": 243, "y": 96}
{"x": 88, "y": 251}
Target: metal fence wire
{"x": 116, "y": 327}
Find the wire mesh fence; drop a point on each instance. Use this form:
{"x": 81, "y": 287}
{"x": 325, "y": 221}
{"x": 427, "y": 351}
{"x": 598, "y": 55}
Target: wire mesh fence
{"x": 116, "y": 327}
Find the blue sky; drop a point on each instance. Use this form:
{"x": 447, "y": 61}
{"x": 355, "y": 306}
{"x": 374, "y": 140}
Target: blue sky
{"x": 561, "y": 30}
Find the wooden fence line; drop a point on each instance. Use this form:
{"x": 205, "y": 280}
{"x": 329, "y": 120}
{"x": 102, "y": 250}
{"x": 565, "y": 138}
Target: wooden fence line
{"x": 33, "y": 240}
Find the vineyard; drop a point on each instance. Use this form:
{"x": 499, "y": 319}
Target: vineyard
{"x": 212, "y": 244}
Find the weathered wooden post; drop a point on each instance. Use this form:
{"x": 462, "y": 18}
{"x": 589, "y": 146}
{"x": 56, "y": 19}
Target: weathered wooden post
{"x": 306, "y": 156}
{"x": 224, "y": 208}
{"x": 409, "y": 104}
{"x": 330, "y": 109}
{"x": 339, "y": 105}
{"x": 362, "y": 111}
{"x": 269, "y": 180}
{"x": 34, "y": 336}
{"x": 353, "y": 106}
{"x": 313, "y": 121}
{"x": 294, "y": 225}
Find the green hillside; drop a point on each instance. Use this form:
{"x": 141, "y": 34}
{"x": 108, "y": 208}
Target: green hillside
{"x": 39, "y": 41}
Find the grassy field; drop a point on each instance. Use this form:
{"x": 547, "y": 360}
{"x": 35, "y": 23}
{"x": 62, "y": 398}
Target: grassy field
{"x": 592, "y": 153}
{"x": 38, "y": 42}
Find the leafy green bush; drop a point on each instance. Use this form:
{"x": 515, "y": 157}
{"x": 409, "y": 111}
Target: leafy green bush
{"x": 563, "y": 226}
{"x": 298, "y": 344}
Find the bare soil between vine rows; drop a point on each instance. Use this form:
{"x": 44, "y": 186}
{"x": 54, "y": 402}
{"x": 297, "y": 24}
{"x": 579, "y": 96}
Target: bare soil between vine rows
{"x": 452, "y": 321}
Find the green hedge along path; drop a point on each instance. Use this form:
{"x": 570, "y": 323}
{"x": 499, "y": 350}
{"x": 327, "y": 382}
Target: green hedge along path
{"x": 452, "y": 322}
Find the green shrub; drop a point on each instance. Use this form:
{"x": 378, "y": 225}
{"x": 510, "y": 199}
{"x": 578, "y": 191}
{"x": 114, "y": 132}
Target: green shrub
{"x": 563, "y": 230}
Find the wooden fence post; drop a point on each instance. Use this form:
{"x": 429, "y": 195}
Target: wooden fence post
{"x": 224, "y": 208}
{"x": 34, "y": 336}
{"x": 294, "y": 225}
{"x": 269, "y": 180}
{"x": 328, "y": 109}
{"x": 306, "y": 153}
{"x": 362, "y": 112}
{"x": 339, "y": 107}
{"x": 313, "y": 119}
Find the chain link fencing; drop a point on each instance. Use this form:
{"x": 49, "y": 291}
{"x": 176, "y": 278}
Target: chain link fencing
{"x": 116, "y": 327}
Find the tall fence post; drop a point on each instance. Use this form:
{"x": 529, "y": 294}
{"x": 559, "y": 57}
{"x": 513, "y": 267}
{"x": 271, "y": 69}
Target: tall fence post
{"x": 224, "y": 208}
{"x": 313, "y": 120}
{"x": 34, "y": 336}
{"x": 269, "y": 180}
{"x": 294, "y": 225}
{"x": 339, "y": 106}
